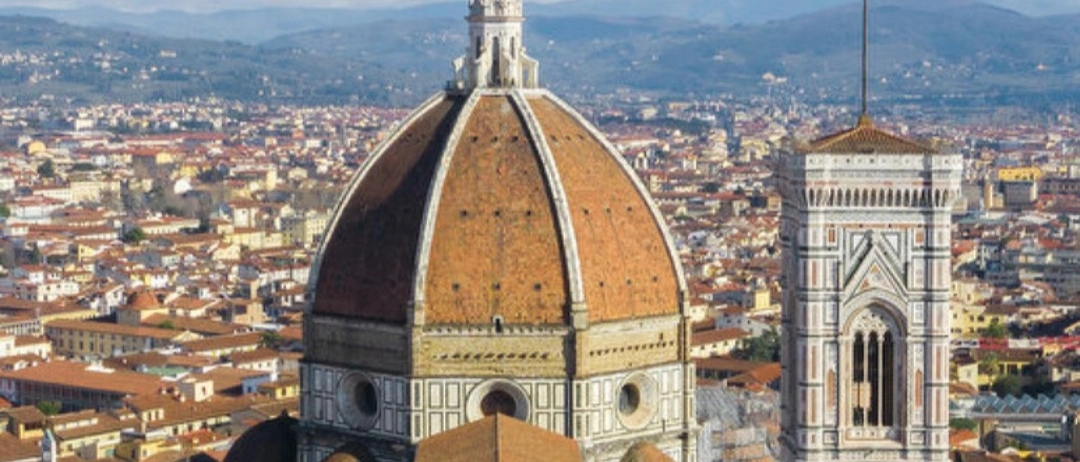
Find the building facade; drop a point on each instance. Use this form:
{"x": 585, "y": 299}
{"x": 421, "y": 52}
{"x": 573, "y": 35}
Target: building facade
{"x": 866, "y": 232}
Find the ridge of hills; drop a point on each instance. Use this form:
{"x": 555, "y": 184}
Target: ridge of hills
{"x": 258, "y": 25}
{"x": 959, "y": 52}
{"x": 253, "y": 26}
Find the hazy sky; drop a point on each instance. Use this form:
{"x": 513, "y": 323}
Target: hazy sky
{"x": 214, "y": 5}
{"x": 1034, "y": 7}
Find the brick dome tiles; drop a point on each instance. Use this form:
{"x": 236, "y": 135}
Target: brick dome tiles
{"x": 503, "y": 205}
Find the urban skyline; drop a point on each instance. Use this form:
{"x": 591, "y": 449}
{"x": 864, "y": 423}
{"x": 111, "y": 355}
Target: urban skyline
{"x": 707, "y": 278}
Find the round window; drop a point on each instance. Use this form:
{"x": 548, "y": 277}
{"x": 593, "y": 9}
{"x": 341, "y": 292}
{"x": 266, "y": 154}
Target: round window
{"x": 358, "y": 400}
{"x": 367, "y": 399}
{"x": 636, "y": 401}
{"x": 497, "y": 396}
{"x": 498, "y": 402}
{"x": 629, "y": 399}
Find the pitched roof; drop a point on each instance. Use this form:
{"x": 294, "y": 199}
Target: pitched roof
{"x": 197, "y": 325}
{"x": 865, "y": 138}
{"x": 11, "y": 448}
{"x": 223, "y": 342}
{"x": 498, "y": 438}
{"x": 959, "y": 437}
{"x": 718, "y": 335}
{"x": 113, "y": 329}
{"x": 75, "y": 375}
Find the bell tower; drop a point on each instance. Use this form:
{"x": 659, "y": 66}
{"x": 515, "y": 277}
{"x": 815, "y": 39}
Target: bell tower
{"x": 866, "y": 233}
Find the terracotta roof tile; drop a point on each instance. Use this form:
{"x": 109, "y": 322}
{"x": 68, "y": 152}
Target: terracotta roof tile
{"x": 498, "y": 438}
{"x": 718, "y": 335}
{"x": 110, "y": 328}
{"x": 375, "y": 242}
{"x": 864, "y": 138}
{"x": 496, "y": 249}
{"x": 77, "y": 375}
{"x": 143, "y": 300}
{"x": 223, "y": 342}
{"x": 625, "y": 264}
{"x": 645, "y": 452}
{"x": 11, "y": 448}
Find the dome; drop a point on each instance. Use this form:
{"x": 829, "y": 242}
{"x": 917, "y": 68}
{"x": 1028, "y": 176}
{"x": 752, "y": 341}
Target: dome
{"x": 143, "y": 300}
{"x": 645, "y": 452}
{"x": 273, "y": 440}
{"x": 354, "y": 452}
{"x": 498, "y": 203}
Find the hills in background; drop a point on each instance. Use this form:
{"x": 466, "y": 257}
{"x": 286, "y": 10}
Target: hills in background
{"x": 959, "y": 52}
{"x": 257, "y": 25}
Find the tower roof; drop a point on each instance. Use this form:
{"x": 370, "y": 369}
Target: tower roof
{"x": 865, "y": 138}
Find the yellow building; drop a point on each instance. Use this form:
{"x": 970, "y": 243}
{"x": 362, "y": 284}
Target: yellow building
{"x": 761, "y": 301}
{"x": 1014, "y": 361}
{"x": 286, "y": 387}
{"x": 251, "y": 238}
{"x": 88, "y": 435}
{"x": 35, "y": 148}
{"x": 1015, "y": 174}
{"x": 87, "y": 190}
{"x": 965, "y": 370}
{"x": 971, "y": 321}
{"x": 100, "y": 339}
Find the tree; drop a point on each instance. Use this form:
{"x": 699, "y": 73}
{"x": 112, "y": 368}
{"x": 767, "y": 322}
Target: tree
{"x": 166, "y": 324}
{"x": 36, "y": 257}
{"x": 1008, "y": 385}
{"x": 962, "y": 424}
{"x": 763, "y": 348}
{"x": 996, "y": 329}
{"x": 50, "y": 408}
{"x": 4, "y": 211}
{"x": 990, "y": 365}
{"x": 270, "y": 339}
{"x": 134, "y": 236}
{"x": 47, "y": 169}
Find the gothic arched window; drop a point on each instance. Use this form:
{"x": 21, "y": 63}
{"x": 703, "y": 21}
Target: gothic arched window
{"x": 873, "y": 372}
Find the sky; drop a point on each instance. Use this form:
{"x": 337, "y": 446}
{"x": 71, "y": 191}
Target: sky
{"x": 1032, "y": 7}
{"x": 142, "y": 6}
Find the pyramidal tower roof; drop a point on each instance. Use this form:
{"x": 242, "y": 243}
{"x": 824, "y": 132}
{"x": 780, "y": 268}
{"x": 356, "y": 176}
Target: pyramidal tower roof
{"x": 865, "y": 138}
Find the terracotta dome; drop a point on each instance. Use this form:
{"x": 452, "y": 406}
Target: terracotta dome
{"x": 143, "y": 300}
{"x": 490, "y": 204}
{"x": 354, "y": 452}
{"x": 273, "y": 440}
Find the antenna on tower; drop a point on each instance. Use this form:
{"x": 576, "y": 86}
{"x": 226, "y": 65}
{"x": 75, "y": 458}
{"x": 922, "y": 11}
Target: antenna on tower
{"x": 864, "y": 116}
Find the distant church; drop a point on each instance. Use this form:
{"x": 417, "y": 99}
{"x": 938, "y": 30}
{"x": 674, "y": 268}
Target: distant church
{"x": 495, "y": 257}
{"x": 866, "y": 237}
